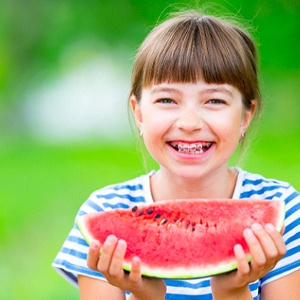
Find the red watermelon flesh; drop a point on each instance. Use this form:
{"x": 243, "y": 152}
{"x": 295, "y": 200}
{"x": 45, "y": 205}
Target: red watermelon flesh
{"x": 183, "y": 238}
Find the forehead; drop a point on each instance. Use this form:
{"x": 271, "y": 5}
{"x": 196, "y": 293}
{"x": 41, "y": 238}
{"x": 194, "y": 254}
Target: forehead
{"x": 199, "y": 88}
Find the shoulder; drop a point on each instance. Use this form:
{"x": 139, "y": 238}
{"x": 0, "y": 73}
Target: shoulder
{"x": 120, "y": 195}
{"x": 257, "y": 186}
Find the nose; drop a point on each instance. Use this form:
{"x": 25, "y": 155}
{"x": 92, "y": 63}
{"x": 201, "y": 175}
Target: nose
{"x": 190, "y": 120}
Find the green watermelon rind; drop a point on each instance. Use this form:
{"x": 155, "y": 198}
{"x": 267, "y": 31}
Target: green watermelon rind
{"x": 183, "y": 273}
{"x": 187, "y": 273}
{"x": 82, "y": 228}
{"x": 281, "y": 218}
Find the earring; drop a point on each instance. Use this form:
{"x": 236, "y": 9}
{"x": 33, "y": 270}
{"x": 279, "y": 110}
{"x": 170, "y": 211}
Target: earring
{"x": 242, "y": 136}
{"x": 141, "y": 132}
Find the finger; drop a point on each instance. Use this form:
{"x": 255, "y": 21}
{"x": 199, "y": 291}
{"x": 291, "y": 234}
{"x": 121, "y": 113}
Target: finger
{"x": 257, "y": 253}
{"x": 242, "y": 260}
{"x": 277, "y": 238}
{"x": 266, "y": 241}
{"x": 135, "y": 273}
{"x": 115, "y": 268}
{"x": 93, "y": 255}
{"x": 107, "y": 253}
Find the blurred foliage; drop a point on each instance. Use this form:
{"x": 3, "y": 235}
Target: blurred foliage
{"x": 34, "y": 35}
{"x": 42, "y": 186}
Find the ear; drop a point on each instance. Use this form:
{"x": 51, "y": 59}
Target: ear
{"x": 247, "y": 117}
{"x": 136, "y": 110}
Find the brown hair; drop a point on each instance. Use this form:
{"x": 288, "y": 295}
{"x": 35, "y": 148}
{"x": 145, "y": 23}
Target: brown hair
{"x": 191, "y": 46}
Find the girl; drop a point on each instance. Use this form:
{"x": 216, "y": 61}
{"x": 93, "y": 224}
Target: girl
{"x": 194, "y": 94}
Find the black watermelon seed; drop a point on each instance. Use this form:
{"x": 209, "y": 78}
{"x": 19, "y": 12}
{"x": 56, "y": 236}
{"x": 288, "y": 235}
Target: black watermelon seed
{"x": 140, "y": 213}
{"x": 157, "y": 216}
{"x": 150, "y": 211}
{"x": 134, "y": 209}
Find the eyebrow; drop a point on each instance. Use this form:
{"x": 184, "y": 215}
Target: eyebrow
{"x": 211, "y": 90}
{"x": 217, "y": 90}
{"x": 158, "y": 89}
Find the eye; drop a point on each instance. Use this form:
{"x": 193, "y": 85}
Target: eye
{"x": 216, "y": 101}
{"x": 165, "y": 101}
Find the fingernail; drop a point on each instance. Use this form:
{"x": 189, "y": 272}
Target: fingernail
{"x": 135, "y": 261}
{"x": 269, "y": 227}
{"x": 256, "y": 226}
{"x": 248, "y": 232}
{"x": 109, "y": 239}
{"x": 94, "y": 244}
{"x": 121, "y": 244}
{"x": 238, "y": 247}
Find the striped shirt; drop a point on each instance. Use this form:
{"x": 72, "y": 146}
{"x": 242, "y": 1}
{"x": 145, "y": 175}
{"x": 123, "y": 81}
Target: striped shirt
{"x": 71, "y": 259}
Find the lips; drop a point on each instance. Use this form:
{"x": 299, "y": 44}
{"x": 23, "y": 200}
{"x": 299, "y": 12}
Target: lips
{"x": 191, "y": 148}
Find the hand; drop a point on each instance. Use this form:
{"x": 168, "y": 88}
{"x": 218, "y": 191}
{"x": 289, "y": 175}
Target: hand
{"x": 110, "y": 266}
{"x": 266, "y": 248}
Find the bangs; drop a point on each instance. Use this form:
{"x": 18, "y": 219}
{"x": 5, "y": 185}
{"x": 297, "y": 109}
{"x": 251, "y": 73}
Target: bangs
{"x": 190, "y": 49}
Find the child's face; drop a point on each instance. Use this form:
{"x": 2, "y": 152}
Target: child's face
{"x": 191, "y": 129}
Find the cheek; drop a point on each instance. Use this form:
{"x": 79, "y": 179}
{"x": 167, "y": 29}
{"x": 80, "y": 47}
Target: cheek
{"x": 156, "y": 133}
{"x": 227, "y": 127}
{"x": 156, "y": 123}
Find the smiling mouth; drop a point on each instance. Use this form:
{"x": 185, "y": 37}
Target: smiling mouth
{"x": 190, "y": 148}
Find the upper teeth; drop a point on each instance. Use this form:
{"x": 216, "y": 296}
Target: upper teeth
{"x": 196, "y": 148}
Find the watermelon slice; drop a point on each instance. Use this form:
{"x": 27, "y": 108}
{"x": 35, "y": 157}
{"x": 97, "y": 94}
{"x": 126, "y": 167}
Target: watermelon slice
{"x": 183, "y": 238}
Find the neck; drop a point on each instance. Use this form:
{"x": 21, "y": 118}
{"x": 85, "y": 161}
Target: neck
{"x": 218, "y": 186}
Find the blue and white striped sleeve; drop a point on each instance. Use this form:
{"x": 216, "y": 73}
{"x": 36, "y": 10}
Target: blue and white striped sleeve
{"x": 291, "y": 261}
{"x": 71, "y": 259}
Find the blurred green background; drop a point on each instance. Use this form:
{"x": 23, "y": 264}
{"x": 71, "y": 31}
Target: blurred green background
{"x": 64, "y": 80}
